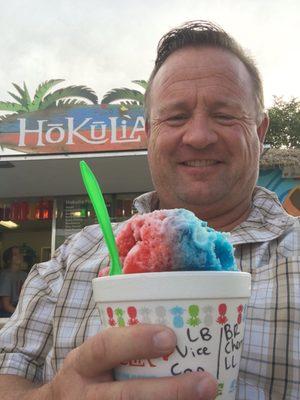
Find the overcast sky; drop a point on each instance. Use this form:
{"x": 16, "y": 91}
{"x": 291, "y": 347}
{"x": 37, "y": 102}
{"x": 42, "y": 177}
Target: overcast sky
{"x": 106, "y": 44}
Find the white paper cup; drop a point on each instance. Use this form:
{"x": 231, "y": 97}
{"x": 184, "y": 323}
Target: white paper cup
{"x": 205, "y": 309}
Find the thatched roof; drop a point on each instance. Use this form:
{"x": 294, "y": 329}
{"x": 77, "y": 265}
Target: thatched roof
{"x": 280, "y": 158}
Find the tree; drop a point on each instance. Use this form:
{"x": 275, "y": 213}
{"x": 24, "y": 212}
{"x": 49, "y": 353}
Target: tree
{"x": 126, "y": 96}
{"x": 284, "y": 129}
{"x": 41, "y": 101}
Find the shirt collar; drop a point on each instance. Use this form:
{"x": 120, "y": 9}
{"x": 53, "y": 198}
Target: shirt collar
{"x": 267, "y": 219}
{"x": 146, "y": 203}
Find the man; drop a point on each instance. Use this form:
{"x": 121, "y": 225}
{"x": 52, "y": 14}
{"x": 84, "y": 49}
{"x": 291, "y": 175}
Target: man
{"x": 206, "y": 124}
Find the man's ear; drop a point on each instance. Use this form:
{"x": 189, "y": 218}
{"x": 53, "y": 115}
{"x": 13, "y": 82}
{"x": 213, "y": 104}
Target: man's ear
{"x": 262, "y": 129}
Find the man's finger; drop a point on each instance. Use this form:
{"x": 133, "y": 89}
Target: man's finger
{"x": 108, "y": 349}
{"x": 192, "y": 386}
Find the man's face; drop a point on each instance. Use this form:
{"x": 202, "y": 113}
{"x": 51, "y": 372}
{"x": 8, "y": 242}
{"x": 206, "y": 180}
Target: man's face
{"x": 203, "y": 138}
{"x": 17, "y": 258}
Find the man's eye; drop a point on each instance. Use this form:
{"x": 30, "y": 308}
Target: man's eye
{"x": 225, "y": 117}
{"x": 178, "y": 117}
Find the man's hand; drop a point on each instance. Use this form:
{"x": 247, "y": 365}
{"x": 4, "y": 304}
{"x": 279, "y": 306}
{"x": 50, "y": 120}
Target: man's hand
{"x": 86, "y": 373}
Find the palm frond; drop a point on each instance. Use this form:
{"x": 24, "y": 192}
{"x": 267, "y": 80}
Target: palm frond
{"x": 123, "y": 94}
{"x": 70, "y": 91}
{"x": 42, "y": 89}
{"x": 71, "y": 103}
{"x": 21, "y": 91}
{"x": 27, "y": 97}
{"x": 8, "y": 106}
{"x": 4, "y": 117}
{"x": 141, "y": 83}
{"x": 15, "y": 97}
{"x": 129, "y": 103}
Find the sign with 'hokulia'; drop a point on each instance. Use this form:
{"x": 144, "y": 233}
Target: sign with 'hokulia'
{"x": 90, "y": 128}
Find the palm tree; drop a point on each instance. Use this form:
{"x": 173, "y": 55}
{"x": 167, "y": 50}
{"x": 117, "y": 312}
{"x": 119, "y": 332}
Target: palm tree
{"x": 126, "y": 96}
{"x": 42, "y": 100}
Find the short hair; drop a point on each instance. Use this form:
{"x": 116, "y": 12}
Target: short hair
{"x": 203, "y": 34}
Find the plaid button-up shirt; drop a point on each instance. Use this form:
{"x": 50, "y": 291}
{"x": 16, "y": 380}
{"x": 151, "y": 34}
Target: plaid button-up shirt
{"x": 56, "y": 311}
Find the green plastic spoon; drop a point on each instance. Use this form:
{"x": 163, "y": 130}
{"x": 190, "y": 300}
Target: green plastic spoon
{"x": 95, "y": 194}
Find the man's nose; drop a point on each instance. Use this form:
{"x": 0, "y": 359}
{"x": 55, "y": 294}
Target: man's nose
{"x": 199, "y": 132}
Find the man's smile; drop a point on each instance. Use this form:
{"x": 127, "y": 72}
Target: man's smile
{"x": 199, "y": 163}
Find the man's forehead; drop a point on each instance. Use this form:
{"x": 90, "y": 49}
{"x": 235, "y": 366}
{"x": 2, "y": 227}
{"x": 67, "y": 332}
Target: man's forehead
{"x": 219, "y": 102}
{"x": 194, "y": 63}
